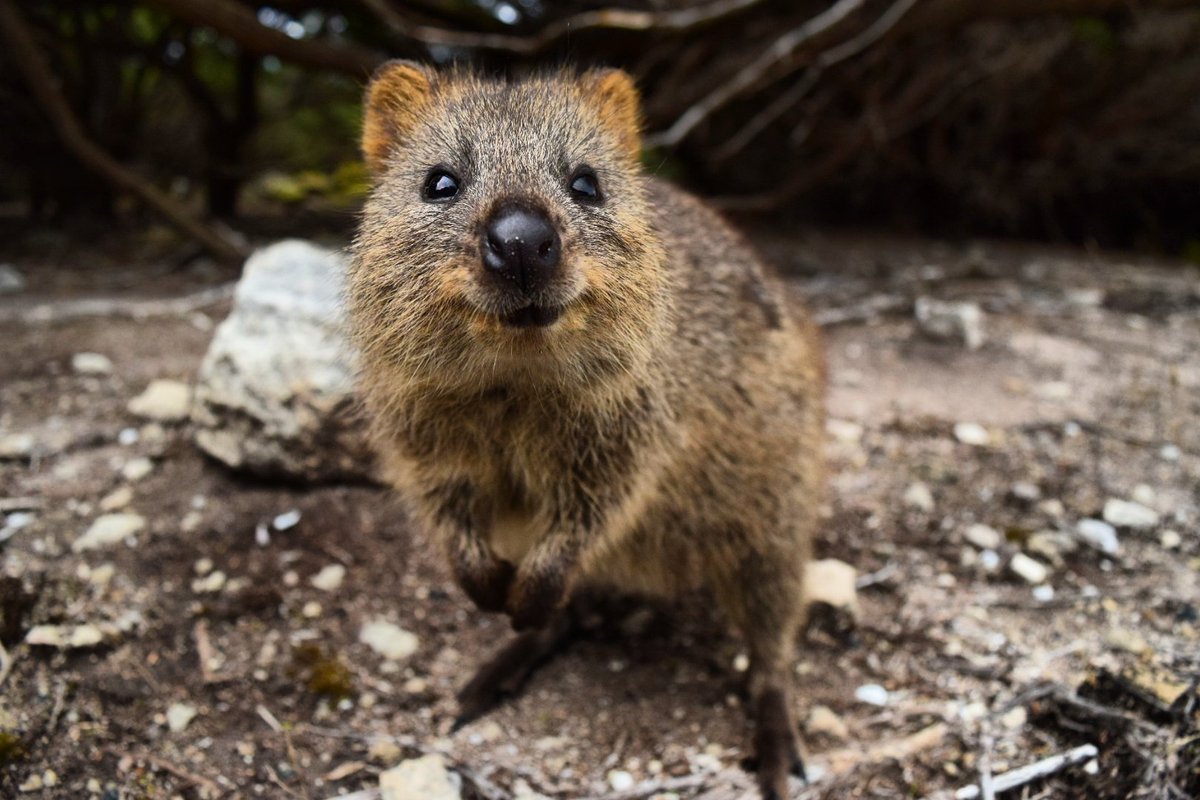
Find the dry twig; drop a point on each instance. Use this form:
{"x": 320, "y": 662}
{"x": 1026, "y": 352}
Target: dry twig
{"x": 1032, "y": 772}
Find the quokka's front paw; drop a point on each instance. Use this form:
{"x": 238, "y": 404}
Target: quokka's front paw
{"x": 486, "y": 581}
{"x": 535, "y": 596}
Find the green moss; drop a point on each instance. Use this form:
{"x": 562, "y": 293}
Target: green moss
{"x": 322, "y": 674}
{"x": 12, "y": 748}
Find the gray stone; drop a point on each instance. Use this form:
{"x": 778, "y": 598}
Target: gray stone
{"x": 11, "y": 279}
{"x": 275, "y": 391}
{"x": 951, "y": 321}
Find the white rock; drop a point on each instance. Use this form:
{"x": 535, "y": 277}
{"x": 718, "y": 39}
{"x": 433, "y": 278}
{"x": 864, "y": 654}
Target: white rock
{"x": 1026, "y": 491}
{"x": 11, "y": 279}
{"x": 65, "y": 637}
{"x": 872, "y": 694}
{"x": 274, "y": 394}
{"x": 1099, "y": 534}
{"x": 831, "y": 581}
{"x": 116, "y": 499}
{"x": 1170, "y": 539}
{"x": 15, "y": 522}
{"x": 179, "y": 716}
{"x": 1015, "y": 718}
{"x": 286, "y": 520}
{"x": 16, "y": 445}
{"x": 1051, "y": 545}
{"x": 136, "y": 469}
{"x": 91, "y": 364}
{"x": 972, "y": 433}
{"x": 1145, "y": 495}
{"x": 984, "y": 537}
{"x": 1032, "y": 571}
{"x": 424, "y": 778}
{"x": 620, "y": 780}
{"x": 1126, "y": 514}
{"x": 210, "y": 583}
{"x": 107, "y": 530}
{"x": 163, "y": 401}
{"x": 989, "y": 560}
{"x": 919, "y": 496}
{"x": 1043, "y": 593}
{"x": 389, "y": 640}
{"x": 955, "y": 321}
{"x": 330, "y": 578}
{"x": 823, "y": 720}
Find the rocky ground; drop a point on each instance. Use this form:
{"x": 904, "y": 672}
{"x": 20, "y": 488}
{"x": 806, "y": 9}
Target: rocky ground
{"x": 1016, "y": 485}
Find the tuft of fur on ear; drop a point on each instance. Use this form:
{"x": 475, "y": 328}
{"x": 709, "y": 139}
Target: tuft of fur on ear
{"x": 395, "y": 100}
{"x": 614, "y": 94}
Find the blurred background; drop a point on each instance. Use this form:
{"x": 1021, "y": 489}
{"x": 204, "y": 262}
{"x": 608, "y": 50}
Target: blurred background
{"x": 227, "y": 120}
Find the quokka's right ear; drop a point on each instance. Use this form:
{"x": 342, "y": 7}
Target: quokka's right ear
{"x": 396, "y": 98}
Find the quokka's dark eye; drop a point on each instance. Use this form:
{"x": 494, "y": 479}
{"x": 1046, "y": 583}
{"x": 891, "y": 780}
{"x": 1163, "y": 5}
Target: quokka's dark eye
{"x": 585, "y": 186}
{"x": 440, "y": 186}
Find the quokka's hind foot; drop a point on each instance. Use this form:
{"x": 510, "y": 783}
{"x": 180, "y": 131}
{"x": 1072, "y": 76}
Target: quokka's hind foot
{"x": 503, "y": 675}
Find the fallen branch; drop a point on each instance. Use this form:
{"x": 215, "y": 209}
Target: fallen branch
{"x": 28, "y": 59}
{"x": 1032, "y": 772}
{"x": 112, "y": 307}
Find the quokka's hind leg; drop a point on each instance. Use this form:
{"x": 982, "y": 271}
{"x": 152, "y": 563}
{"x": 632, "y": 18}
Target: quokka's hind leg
{"x": 766, "y": 602}
{"x": 504, "y": 674}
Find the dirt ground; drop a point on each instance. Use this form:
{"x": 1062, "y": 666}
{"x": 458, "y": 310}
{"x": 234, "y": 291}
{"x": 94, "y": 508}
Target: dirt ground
{"x": 1087, "y": 389}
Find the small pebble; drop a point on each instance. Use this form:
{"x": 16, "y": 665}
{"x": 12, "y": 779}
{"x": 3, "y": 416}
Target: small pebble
{"x": 1014, "y": 719}
{"x": 311, "y": 610}
{"x": 163, "y": 401}
{"x": 919, "y": 496}
{"x": 1043, "y": 593}
{"x": 1099, "y": 534}
{"x": 128, "y": 436}
{"x": 91, "y": 364}
{"x": 286, "y": 520}
{"x": 1170, "y": 539}
{"x": 971, "y": 433}
{"x": 137, "y": 469}
{"x": 1027, "y": 492}
{"x": 330, "y": 578}
{"x": 872, "y": 694}
{"x": 620, "y": 780}
{"x": 984, "y": 537}
{"x": 116, "y": 499}
{"x": 211, "y": 583}
{"x": 844, "y": 431}
{"x": 989, "y": 560}
{"x": 1031, "y": 571}
{"x": 107, "y": 530}
{"x": 1126, "y": 514}
{"x": 179, "y": 716}
{"x": 389, "y": 640}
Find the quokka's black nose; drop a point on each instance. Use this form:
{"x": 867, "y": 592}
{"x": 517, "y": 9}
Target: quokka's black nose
{"x": 521, "y": 247}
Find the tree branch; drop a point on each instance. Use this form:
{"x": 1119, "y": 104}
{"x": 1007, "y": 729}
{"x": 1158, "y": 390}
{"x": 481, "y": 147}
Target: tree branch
{"x": 241, "y": 25}
{"x": 626, "y": 19}
{"x": 27, "y": 58}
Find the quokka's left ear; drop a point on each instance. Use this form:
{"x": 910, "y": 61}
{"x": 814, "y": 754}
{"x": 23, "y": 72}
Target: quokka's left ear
{"x": 396, "y": 101}
{"x": 616, "y": 98}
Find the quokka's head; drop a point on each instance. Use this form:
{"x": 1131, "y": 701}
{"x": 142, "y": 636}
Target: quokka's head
{"x": 508, "y": 227}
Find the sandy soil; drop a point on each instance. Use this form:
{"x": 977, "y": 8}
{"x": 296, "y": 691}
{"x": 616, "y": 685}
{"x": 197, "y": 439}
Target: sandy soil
{"x": 1088, "y": 389}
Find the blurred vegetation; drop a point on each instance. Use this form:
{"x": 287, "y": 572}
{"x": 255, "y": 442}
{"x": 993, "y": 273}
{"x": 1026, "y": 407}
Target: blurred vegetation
{"x": 946, "y": 116}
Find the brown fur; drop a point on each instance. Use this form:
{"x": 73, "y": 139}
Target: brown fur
{"x": 664, "y": 434}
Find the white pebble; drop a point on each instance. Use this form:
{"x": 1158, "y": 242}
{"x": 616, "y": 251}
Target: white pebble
{"x": 179, "y": 716}
{"x": 1099, "y": 534}
{"x": 984, "y": 537}
{"x": 871, "y": 693}
{"x": 1170, "y": 539}
{"x": 329, "y": 579}
{"x": 286, "y": 520}
{"x": 1043, "y": 593}
{"x": 136, "y": 469}
{"x": 989, "y": 560}
{"x": 620, "y": 780}
{"x": 919, "y": 496}
{"x": 389, "y": 640}
{"x": 971, "y": 433}
{"x": 91, "y": 364}
{"x": 1126, "y": 514}
{"x": 1031, "y": 571}
{"x": 107, "y": 530}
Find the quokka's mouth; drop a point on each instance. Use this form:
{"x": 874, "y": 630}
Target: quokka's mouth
{"x": 532, "y": 316}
